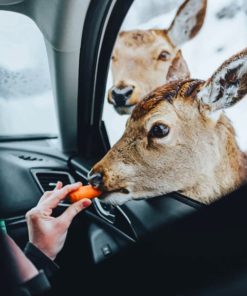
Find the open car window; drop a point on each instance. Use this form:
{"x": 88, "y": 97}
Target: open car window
{"x": 213, "y": 44}
{"x": 26, "y": 99}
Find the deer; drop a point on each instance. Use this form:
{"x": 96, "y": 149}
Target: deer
{"x": 145, "y": 59}
{"x": 178, "y": 139}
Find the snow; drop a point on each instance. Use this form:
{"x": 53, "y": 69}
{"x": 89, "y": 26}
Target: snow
{"x": 223, "y": 34}
{"x": 31, "y": 116}
{"x": 26, "y": 100}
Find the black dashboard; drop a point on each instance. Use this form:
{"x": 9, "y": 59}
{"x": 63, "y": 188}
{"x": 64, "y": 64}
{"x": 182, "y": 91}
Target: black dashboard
{"x": 178, "y": 233}
{"x": 30, "y": 168}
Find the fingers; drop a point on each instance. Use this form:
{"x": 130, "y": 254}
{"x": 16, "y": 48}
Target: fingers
{"x": 59, "y": 185}
{"x": 68, "y": 215}
{"x": 46, "y": 194}
{"x": 35, "y": 213}
{"x": 59, "y": 194}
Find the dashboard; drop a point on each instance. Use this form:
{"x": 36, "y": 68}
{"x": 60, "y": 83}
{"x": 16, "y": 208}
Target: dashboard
{"x": 30, "y": 168}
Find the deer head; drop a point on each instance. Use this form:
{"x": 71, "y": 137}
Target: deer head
{"x": 178, "y": 139}
{"x": 144, "y": 60}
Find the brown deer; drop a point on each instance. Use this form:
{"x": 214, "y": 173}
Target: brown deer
{"x": 178, "y": 139}
{"x": 145, "y": 59}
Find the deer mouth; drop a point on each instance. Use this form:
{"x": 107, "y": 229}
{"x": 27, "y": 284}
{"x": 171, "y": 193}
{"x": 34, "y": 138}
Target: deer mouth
{"x": 120, "y": 190}
{"x": 127, "y": 109}
{"x": 116, "y": 196}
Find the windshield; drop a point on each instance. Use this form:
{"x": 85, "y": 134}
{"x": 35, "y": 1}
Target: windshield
{"x": 26, "y": 99}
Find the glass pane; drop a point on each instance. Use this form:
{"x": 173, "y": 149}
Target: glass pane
{"x": 223, "y": 33}
{"x": 26, "y": 100}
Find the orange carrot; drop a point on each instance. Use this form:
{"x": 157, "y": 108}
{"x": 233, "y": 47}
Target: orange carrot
{"x": 87, "y": 191}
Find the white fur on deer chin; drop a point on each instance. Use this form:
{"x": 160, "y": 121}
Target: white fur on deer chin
{"x": 124, "y": 110}
{"x": 116, "y": 198}
{"x": 119, "y": 198}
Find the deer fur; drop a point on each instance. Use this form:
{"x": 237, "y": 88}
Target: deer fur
{"x": 199, "y": 157}
{"x": 146, "y": 59}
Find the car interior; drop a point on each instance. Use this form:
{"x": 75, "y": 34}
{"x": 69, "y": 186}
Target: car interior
{"x": 142, "y": 244}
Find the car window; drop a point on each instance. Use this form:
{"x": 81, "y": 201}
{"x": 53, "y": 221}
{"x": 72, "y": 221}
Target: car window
{"x": 223, "y": 33}
{"x": 26, "y": 99}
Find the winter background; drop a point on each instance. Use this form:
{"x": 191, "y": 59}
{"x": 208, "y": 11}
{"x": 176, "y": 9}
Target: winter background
{"x": 26, "y": 100}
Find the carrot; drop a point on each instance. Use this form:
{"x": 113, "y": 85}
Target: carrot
{"x": 87, "y": 191}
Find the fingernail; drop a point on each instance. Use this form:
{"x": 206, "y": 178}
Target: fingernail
{"x": 86, "y": 203}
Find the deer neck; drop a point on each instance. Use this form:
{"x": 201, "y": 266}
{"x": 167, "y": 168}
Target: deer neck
{"x": 228, "y": 174}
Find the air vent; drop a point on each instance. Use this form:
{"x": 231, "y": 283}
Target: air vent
{"x": 48, "y": 180}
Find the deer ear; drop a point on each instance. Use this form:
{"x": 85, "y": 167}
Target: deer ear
{"x": 178, "y": 68}
{"x": 188, "y": 21}
{"x": 228, "y": 84}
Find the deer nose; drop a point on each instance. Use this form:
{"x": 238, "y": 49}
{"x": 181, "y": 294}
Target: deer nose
{"x": 120, "y": 96}
{"x": 95, "y": 179}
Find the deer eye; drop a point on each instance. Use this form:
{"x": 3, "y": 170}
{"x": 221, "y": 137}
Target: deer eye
{"x": 113, "y": 58}
{"x": 159, "y": 131}
{"x": 164, "y": 55}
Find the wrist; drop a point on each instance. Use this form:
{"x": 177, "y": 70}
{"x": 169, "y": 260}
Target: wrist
{"x": 43, "y": 249}
{"x": 40, "y": 260}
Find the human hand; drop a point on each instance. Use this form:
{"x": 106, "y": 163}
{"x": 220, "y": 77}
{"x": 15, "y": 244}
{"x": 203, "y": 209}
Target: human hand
{"x": 48, "y": 233}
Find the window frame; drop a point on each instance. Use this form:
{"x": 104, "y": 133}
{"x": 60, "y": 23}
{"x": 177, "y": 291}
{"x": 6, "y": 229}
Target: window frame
{"x": 102, "y": 24}
{"x": 79, "y": 54}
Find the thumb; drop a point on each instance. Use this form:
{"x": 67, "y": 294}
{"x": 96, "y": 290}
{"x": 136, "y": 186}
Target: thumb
{"x": 73, "y": 210}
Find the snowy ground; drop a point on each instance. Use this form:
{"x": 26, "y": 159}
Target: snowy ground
{"x": 223, "y": 34}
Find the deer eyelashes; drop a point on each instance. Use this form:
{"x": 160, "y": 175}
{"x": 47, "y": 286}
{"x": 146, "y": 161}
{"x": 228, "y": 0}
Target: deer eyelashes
{"x": 164, "y": 55}
{"x": 159, "y": 130}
